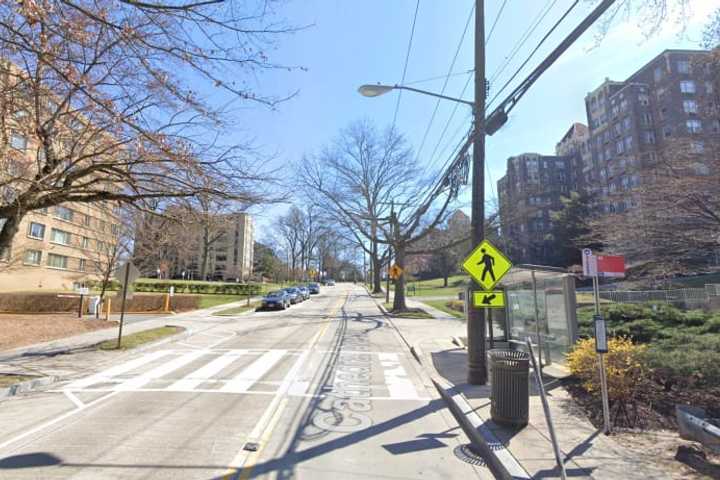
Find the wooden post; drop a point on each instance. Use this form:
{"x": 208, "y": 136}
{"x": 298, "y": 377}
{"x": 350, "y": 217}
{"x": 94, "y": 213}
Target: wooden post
{"x": 167, "y": 302}
{"x": 107, "y": 312}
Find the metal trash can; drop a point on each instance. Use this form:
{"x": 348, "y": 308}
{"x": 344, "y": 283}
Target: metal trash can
{"x": 510, "y": 381}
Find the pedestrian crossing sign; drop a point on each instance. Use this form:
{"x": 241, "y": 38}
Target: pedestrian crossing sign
{"x": 487, "y": 265}
{"x": 494, "y": 299}
{"x": 395, "y": 272}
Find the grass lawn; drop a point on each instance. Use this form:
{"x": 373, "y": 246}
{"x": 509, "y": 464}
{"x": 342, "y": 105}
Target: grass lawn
{"x": 238, "y": 310}
{"x": 140, "y": 338}
{"x": 213, "y": 300}
{"x": 434, "y": 287}
{"x": 410, "y": 313}
{"x": 8, "y": 379}
{"x": 441, "y": 305}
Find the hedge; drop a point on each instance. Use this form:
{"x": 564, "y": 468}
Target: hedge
{"x": 51, "y": 303}
{"x": 186, "y": 287}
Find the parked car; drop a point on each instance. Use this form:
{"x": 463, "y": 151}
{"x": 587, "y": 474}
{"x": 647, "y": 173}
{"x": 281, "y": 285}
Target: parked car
{"x": 294, "y": 295}
{"x": 304, "y": 291}
{"x": 278, "y": 299}
{"x": 330, "y": 282}
{"x": 314, "y": 287}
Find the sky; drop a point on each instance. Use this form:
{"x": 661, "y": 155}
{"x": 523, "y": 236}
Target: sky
{"x": 350, "y": 42}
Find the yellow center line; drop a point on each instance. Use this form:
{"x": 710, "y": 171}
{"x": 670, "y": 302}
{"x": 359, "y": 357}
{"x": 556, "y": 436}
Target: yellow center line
{"x": 243, "y": 472}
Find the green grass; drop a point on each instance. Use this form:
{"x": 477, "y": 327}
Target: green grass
{"x": 238, "y": 310}
{"x": 434, "y": 287}
{"x": 8, "y": 379}
{"x": 213, "y": 300}
{"x": 441, "y": 305}
{"x": 140, "y": 338}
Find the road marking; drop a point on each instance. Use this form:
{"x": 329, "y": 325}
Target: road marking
{"x": 78, "y": 403}
{"x": 398, "y": 383}
{"x": 197, "y": 377}
{"x": 54, "y": 421}
{"x": 108, "y": 374}
{"x": 254, "y": 372}
{"x": 162, "y": 370}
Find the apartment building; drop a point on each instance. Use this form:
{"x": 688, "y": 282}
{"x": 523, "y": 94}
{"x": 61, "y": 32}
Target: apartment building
{"x": 528, "y": 193}
{"x": 231, "y": 256}
{"x": 60, "y": 248}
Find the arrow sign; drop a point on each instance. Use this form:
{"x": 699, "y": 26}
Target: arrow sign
{"x": 494, "y": 299}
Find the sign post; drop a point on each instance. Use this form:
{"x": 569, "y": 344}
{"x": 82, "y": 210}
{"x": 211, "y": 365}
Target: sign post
{"x": 486, "y": 264}
{"x": 607, "y": 266}
{"x": 127, "y": 274}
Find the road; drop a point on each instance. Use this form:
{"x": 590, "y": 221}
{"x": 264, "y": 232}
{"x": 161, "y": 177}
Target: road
{"x": 326, "y": 389}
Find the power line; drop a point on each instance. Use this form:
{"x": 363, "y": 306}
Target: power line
{"x": 537, "y": 47}
{"x": 407, "y": 59}
{"x": 438, "y": 77}
{"x": 447, "y": 78}
{"x": 497, "y": 17}
{"x": 530, "y": 30}
{"x": 452, "y": 115}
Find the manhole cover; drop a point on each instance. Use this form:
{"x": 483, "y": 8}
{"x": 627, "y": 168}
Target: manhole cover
{"x": 467, "y": 454}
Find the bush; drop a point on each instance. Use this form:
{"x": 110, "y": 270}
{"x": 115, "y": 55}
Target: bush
{"x": 686, "y": 359}
{"x": 642, "y": 330}
{"x": 37, "y": 303}
{"x": 624, "y": 364}
{"x": 219, "y": 288}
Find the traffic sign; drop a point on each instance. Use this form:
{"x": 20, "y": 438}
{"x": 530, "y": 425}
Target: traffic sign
{"x": 395, "y": 271}
{"x": 131, "y": 276}
{"x": 494, "y": 299}
{"x": 487, "y": 265}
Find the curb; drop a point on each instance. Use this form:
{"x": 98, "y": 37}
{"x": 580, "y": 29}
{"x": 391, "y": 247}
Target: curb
{"x": 27, "y": 386}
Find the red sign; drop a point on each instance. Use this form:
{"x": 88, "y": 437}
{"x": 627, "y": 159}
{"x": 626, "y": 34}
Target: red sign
{"x": 611, "y": 265}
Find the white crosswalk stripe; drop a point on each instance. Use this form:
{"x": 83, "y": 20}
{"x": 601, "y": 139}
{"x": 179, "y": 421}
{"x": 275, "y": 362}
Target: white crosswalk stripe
{"x": 208, "y": 376}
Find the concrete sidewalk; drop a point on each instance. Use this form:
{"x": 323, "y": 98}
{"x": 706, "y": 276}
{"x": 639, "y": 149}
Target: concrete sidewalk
{"x": 525, "y": 453}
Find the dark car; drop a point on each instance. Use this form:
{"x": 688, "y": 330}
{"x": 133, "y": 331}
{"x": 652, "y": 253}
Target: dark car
{"x": 278, "y": 299}
{"x": 304, "y": 291}
{"x": 294, "y": 295}
{"x": 314, "y": 287}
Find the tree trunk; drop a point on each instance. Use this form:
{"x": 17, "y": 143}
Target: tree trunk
{"x": 445, "y": 278}
{"x": 399, "y": 304}
{"x": 205, "y": 254}
{"x": 376, "y": 267}
{"x": 8, "y": 231}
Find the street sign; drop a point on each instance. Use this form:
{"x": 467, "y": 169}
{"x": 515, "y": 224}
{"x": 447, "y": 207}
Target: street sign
{"x": 395, "y": 272}
{"x": 601, "y": 344}
{"x": 487, "y": 265}
{"x": 131, "y": 276}
{"x": 494, "y": 299}
{"x": 602, "y": 265}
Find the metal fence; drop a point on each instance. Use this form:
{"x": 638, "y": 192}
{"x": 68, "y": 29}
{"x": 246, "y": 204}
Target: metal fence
{"x": 683, "y": 297}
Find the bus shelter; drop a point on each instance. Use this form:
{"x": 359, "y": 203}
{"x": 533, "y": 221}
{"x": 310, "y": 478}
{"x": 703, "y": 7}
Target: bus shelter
{"x": 540, "y": 305}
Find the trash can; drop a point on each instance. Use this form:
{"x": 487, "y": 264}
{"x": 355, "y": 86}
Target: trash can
{"x": 509, "y": 377}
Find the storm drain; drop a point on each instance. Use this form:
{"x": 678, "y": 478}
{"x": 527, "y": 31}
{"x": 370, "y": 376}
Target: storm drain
{"x": 467, "y": 454}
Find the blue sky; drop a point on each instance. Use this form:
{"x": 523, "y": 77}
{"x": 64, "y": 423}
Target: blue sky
{"x": 354, "y": 42}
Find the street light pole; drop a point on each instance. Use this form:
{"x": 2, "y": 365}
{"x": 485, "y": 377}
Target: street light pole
{"x": 477, "y": 357}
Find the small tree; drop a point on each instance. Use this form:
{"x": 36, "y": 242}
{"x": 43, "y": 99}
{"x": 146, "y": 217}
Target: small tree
{"x": 570, "y": 229}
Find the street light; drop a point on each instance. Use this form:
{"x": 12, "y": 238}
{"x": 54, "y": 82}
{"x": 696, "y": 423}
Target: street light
{"x": 376, "y": 90}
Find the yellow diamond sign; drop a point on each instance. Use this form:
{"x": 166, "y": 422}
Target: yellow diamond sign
{"x": 487, "y": 265}
{"x": 395, "y": 272}
{"x": 494, "y": 299}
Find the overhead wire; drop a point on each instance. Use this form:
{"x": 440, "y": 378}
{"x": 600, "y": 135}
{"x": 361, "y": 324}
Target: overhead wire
{"x": 407, "y": 60}
{"x": 497, "y": 18}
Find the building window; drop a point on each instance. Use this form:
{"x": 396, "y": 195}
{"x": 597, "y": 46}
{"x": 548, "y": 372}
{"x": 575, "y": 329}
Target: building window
{"x": 60, "y": 236}
{"x": 20, "y": 114}
{"x": 618, "y": 129}
{"x": 100, "y": 246}
{"x": 644, "y": 99}
{"x": 619, "y": 147}
{"x": 36, "y": 230}
{"x": 687, "y": 86}
{"x": 649, "y": 137}
{"x": 683, "y": 66}
{"x": 716, "y": 126}
{"x": 86, "y": 220}
{"x": 627, "y": 123}
{"x": 64, "y": 213}
{"x": 667, "y": 131}
{"x": 33, "y": 257}
{"x": 694, "y": 126}
{"x": 18, "y": 141}
{"x": 646, "y": 118}
{"x": 690, "y": 106}
{"x": 697, "y": 147}
{"x": 658, "y": 74}
{"x": 85, "y": 242}
{"x": 628, "y": 143}
{"x": 57, "y": 261}
{"x": 709, "y": 87}
{"x": 81, "y": 265}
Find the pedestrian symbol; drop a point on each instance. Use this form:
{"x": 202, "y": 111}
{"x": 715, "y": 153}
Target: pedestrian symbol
{"x": 495, "y": 299}
{"x": 487, "y": 265}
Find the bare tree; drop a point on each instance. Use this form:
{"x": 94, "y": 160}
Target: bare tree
{"x": 94, "y": 107}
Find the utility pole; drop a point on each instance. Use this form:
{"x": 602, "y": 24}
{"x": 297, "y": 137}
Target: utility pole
{"x": 477, "y": 357}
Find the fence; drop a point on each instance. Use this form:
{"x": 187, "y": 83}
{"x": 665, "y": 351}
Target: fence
{"x": 684, "y": 297}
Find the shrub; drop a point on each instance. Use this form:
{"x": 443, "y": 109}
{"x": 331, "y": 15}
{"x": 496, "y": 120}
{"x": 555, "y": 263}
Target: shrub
{"x": 37, "y": 303}
{"x": 642, "y": 330}
{"x": 457, "y": 305}
{"x": 623, "y": 362}
{"x": 694, "y": 318}
{"x": 686, "y": 359}
{"x": 666, "y": 314}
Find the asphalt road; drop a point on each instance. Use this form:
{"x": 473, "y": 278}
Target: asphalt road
{"x": 326, "y": 389}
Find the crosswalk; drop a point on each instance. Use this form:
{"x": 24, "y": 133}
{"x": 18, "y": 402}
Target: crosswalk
{"x": 242, "y": 371}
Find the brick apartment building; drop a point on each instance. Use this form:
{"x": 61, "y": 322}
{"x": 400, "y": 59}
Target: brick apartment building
{"x": 632, "y": 123}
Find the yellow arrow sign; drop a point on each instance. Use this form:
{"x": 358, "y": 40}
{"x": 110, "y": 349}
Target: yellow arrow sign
{"x": 487, "y": 265}
{"x": 494, "y": 299}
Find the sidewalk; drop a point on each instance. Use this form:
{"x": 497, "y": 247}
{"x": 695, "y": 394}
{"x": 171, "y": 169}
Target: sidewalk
{"x": 526, "y": 453}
